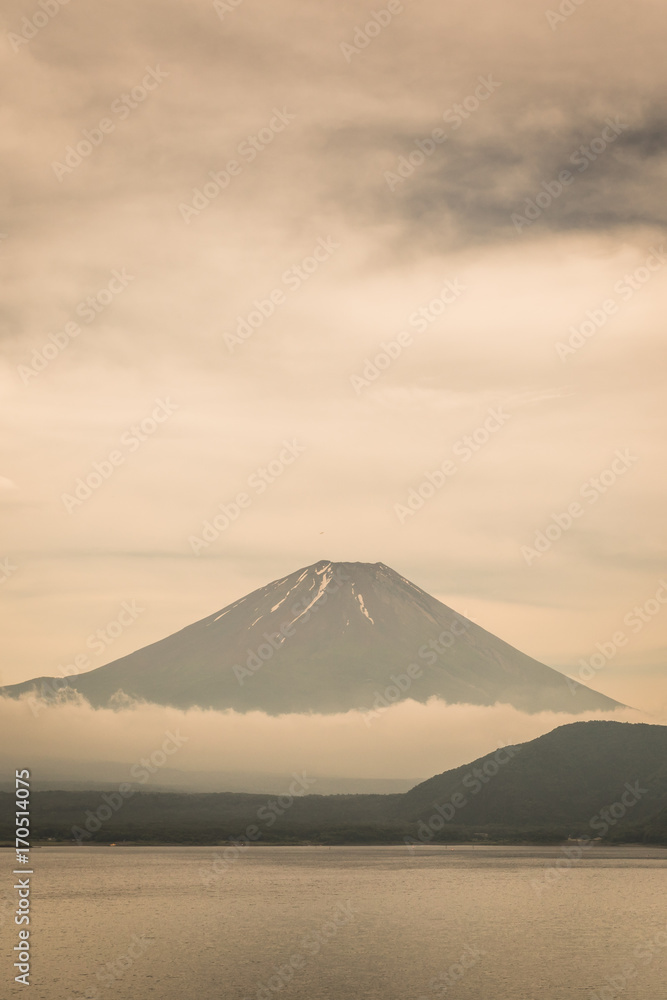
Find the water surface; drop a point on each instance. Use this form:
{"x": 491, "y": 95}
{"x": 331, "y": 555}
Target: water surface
{"x": 348, "y": 923}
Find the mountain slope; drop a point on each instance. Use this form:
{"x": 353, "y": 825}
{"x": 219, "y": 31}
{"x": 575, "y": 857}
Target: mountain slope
{"x": 568, "y": 774}
{"x": 329, "y": 638}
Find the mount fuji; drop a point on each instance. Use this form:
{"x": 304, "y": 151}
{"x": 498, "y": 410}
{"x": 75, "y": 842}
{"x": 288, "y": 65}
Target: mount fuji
{"x": 327, "y": 638}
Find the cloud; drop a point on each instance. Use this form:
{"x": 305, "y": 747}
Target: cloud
{"x": 432, "y": 738}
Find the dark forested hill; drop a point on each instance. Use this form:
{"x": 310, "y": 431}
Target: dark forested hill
{"x": 595, "y": 779}
{"x": 566, "y": 776}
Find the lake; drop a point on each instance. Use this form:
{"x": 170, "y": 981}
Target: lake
{"x": 348, "y": 923}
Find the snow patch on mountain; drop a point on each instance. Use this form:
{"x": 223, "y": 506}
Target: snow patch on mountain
{"x": 363, "y": 608}
{"x": 324, "y": 583}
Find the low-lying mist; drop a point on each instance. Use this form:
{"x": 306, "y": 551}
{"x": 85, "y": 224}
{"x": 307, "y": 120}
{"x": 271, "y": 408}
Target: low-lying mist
{"x": 386, "y": 751}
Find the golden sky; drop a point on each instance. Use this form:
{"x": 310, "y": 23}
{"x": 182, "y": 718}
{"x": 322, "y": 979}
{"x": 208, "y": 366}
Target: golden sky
{"x": 218, "y": 218}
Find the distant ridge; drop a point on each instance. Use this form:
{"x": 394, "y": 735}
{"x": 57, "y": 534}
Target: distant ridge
{"x": 328, "y": 638}
{"x": 588, "y": 780}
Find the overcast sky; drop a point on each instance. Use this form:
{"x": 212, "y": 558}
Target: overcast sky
{"x": 498, "y": 168}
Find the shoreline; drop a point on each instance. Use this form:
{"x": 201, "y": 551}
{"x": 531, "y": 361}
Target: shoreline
{"x": 458, "y": 845}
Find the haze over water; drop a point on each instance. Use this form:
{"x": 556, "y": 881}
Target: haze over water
{"x": 378, "y": 923}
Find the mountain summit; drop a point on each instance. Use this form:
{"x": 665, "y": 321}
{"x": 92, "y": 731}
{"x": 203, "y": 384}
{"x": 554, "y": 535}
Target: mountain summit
{"x": 329, "y": 638}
